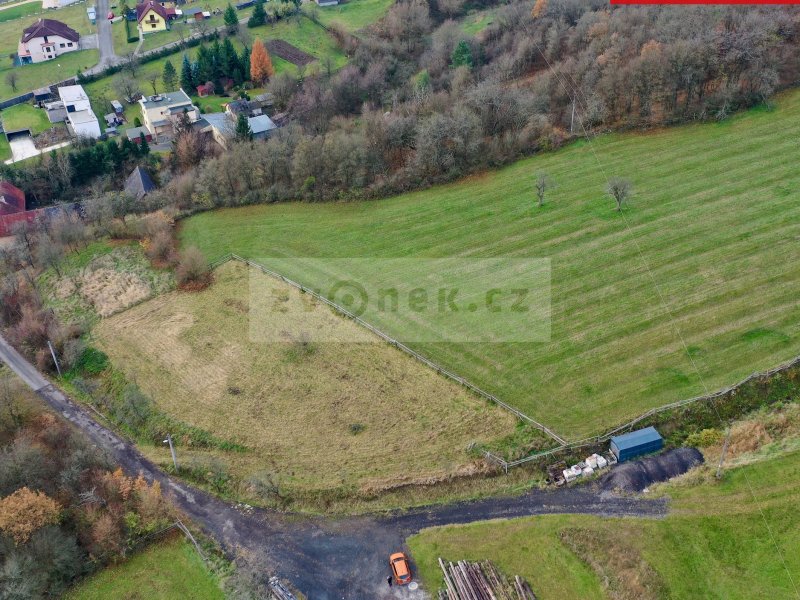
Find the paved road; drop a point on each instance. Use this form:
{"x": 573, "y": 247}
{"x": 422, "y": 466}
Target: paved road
{"x": 325, "y": 558}
{"x": 104, "y": 38}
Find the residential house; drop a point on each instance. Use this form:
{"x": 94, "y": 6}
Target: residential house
{"x": 238, "y": 107}
{"x": 152, "y": 17}
{"x": 222, "y": 127}
{"x": 12, "y": 199}
{"x": 46, "y": 39}
{"x": 161, "y": 112}
{"x": 81, "y": 120}
{"x": 135, "y": 134}
{"x": 139, "y": 183}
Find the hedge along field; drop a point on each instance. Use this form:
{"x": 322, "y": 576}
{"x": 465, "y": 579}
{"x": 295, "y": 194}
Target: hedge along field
{"x": 715, "y": 215}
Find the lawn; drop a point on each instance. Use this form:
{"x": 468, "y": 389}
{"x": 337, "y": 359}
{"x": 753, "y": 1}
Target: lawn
{"x": 303, "y": 33}
{"x": 353, "y": 15}
{"x": 477, "y": 21}
{"x": 5, "y": 148}
{"x": 20, "y": 10}
{"x": 31, "y": 77}
{"x": 351, "y": 419}
{"x": 718, "y": 246}
{"x": 163, "y": 571}
{"x": 24, "y": 116}
{"x": 717, "y": 542}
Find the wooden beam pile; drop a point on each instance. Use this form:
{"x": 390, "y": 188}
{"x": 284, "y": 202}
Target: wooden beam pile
{"x": 481, "y": 581}
{"x": 279, "y": 591}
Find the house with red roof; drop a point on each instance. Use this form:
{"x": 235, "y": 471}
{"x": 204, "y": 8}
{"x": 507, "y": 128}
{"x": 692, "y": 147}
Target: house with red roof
{"x": 12, "y": 199}
{"x": 45, "y": 40}
{"x": 152, "y": 17}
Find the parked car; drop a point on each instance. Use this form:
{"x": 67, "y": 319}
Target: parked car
{"x": 401, "y": 570}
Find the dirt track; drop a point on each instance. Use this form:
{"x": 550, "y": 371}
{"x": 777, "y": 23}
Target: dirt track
{"x": 324, "y": 558}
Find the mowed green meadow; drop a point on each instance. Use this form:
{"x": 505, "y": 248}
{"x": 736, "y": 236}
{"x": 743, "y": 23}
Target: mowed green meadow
{"x": 700, "y": 273}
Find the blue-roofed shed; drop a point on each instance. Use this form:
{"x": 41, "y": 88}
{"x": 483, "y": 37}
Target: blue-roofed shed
{"x": 636, "y": 443}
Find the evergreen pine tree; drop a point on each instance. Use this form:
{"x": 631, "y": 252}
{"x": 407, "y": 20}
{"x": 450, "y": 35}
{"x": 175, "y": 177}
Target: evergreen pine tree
{"x": 462, "y": 55}
{"x": 259, "y": 16}
{"x": 188, "y": 82}
{"x": 169, "y": 76}
{"x": 144, "y": 147}
{"x": 231, "y": 19}
{"x": 243, "y": 131}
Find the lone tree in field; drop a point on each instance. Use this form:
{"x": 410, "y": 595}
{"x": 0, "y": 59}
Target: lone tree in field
{"x": 231, "y": 19}
{"x": 260, "y": 63}
{"x": 543, "y": 183}
{"x": 170, "y": 76}
{"x": 619, "y": 189}
{"x": 11, "y": 80}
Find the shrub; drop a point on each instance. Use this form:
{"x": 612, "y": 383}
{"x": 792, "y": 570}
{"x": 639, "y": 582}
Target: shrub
{"x": 26, "y": 511}
{"x": 193, "y": 269}
{"x": 704, "y": 438}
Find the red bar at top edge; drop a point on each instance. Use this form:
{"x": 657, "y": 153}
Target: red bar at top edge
{"x": 737, "y": 2}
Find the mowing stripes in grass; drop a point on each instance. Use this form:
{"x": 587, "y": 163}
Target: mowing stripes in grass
{"x": 714, "y": 214}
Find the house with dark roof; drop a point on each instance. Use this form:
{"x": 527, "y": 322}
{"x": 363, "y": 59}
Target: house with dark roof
{"x": 152, "y": 17}
{"x": 45, "y": 40}
{"x": 139, "y": 183}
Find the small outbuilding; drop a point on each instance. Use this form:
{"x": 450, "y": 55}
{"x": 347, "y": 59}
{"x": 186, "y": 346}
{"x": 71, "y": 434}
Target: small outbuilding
{"x": 636, "y": 443}
{"x": 139, "y": 183}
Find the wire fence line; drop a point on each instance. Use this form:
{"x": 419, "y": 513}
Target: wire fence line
{"x": 599, "y": 439}
{"x": 397, "y": 344}
{"x": 564, "y": 445}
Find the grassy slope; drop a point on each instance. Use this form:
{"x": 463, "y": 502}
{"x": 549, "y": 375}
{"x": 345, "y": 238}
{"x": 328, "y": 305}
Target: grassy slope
{"x": 167, "y": 570}
{"x": 715, "y": 543}
{"x": 714, "y": 213}
{"x": 295, "y": 409}
{"x": 303, "y": 33}
{"x": 477, "y": 21}
{"x": 353, "y": 15}
{"x": 35, "y": 76}
{"x": 19, "y": 11}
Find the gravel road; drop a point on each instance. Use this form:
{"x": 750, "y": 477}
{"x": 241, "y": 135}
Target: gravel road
{"x": 325, "y": 558}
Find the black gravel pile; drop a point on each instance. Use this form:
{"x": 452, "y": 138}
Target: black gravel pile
{"x": 636, "y": 475}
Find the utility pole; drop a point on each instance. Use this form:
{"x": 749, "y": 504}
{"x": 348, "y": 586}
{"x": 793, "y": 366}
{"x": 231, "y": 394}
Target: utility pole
{"x": 172, "y": 451}
{"x": 55, "y": 359}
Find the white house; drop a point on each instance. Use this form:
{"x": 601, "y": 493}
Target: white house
{"x": 160, "y": 113}
{"x": 46, "y": 39}
{"x": 81, "y": 119}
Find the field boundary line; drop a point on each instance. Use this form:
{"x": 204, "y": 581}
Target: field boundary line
{"x": 390, "y": 340}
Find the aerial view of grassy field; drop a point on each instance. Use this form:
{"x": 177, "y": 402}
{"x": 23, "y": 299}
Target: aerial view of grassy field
{"x": 353, "y": 15}
{"x": 361, "y": 417}
{"x": 719, "y": 541}
{"x": 716, "y": 248}
{"x": 163, "y": 571}
{"x": 25, "y": 116}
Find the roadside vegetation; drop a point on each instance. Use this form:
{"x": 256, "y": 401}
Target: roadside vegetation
{"x": 711, "y": 248}
{"x": 65, "y": 511}
{"x": 164, "y": 571}
{"x": 723, "y": 538}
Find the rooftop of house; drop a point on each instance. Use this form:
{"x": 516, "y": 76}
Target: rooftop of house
{"x": 72, "y": 93}
{"x": 135, "y": 133}
{"x": 167, "y": 100}
{"x": 260, "y": 124}
{"x": 144, "y": 7}
{"x": 139, "y": 183}
{"x": 44, "y": 27}
{"x": 82, "y": 116}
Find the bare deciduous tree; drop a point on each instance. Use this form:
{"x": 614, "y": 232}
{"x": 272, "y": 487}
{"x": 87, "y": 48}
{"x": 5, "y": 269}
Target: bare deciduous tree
{"x": 543, "y": 183}
{"x": 126, "y": 87}
{"x": 619, "y": 189}
{"x": 11, "y": 80}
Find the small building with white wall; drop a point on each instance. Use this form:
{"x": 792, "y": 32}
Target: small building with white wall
{"x": 81, "y": 119}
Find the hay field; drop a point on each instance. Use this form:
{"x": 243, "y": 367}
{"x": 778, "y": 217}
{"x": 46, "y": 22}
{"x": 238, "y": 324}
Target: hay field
{"x": 714, "y": 221}
{"x": 318, "y": 416}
